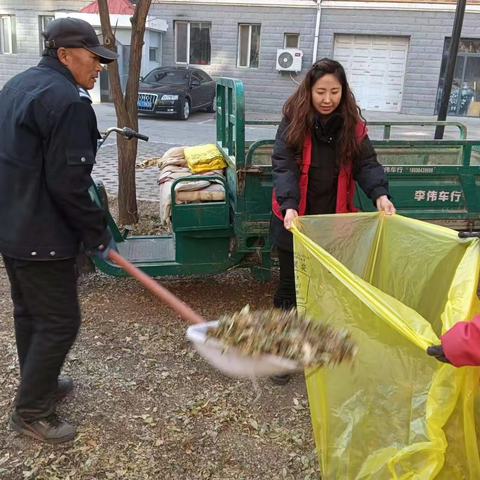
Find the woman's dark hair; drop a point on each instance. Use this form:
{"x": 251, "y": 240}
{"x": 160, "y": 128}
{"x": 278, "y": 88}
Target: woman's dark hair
{"x": 300, "y": 113}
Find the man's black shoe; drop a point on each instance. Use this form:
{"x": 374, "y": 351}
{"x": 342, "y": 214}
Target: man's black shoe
{"x": 49, "y": 430}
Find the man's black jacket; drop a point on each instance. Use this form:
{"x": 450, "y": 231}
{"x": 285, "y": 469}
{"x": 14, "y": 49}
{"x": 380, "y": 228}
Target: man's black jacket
{"x": 48, "y": 136}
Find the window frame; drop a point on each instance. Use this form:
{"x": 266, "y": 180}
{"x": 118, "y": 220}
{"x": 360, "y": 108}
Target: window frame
{"x": 287, "y": 34}
{"x": 206, "y": 77}
{"x": 188, "y": 23}
{"x": 154, "y": 49}
{"x": 239, "y": 47}
{"x": 196, "y": 76}
{"x": 461, "y": 69}
{"x": 12, "y": 44}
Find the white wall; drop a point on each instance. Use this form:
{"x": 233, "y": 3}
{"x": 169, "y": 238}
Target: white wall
{"x": 152, "y": 40}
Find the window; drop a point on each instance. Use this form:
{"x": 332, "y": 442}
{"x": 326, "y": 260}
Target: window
{"x": 43, "y": 21}
{"x": 197, "y": 78}
{"x": 8, "y": 40}
{"x": 465, "y": 94}
{"x": 167, "y": 77}
{"x": 248, "y": 46}
{"x": 291, "y": 40}
{"x": 204, "y": 77}
{"x": 153, "y": 54}
{"x": 126, "y": 51}
{"x": 192, "y": 43}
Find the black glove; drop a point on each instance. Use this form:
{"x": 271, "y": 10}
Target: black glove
{"x": 102, "y": 252}
{"x": 437, "y": 352}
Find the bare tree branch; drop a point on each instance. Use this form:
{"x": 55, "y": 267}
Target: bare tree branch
{"x": 113, "y": 73}
{"x": 126, "y": 107}
{"x": 138, "y": 34}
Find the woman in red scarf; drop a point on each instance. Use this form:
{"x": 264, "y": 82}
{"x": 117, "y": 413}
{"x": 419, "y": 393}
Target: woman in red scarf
{"x": 321, "y": 150}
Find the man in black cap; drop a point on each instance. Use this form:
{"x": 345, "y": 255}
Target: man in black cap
{"x": 48, "y": 146}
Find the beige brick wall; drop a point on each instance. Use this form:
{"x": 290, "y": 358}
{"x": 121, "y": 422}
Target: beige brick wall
{"x": 27, "y": 14}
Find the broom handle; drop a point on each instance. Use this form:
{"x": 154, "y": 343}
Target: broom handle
{"x": 169, "y": 298}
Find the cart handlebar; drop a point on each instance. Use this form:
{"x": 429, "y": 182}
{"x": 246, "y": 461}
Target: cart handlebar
{"x": 125, "y": 132}
{"x": 469, "y": 234}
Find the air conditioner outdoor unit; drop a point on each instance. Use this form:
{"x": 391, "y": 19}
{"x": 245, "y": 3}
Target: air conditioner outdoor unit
{"x": 289, "y": 60}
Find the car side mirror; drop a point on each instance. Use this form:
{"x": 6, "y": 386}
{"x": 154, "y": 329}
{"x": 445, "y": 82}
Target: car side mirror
{"x": 141, "y": 79}
{"x": 195, "y": 83}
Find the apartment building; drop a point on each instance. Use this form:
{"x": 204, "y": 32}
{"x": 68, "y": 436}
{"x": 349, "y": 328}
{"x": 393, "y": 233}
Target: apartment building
{"x": 394, "y": 51}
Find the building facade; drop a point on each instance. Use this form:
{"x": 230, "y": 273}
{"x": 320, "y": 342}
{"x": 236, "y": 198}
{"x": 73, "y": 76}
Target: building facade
{"x": 21, "y": 43}
{"x": 396, "y": 57}
{"x": 20, "y": 27}
{"x": 394, "y": 52}
{"x": 241, "y": 40}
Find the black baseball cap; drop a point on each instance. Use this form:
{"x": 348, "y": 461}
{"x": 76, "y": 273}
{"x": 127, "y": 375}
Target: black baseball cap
{"x": 75, "y": 33}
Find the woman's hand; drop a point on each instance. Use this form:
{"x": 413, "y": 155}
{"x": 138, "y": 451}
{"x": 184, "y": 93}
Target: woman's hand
{"x": 385, "y": 205}
{"x": 290, "y": 214}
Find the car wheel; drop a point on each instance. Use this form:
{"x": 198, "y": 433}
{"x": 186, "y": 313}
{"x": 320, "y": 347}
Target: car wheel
{"x": 184, "y": 113}
{"x": 213, "y": 107}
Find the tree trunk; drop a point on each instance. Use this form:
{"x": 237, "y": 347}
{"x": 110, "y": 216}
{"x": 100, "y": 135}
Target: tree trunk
{"x": 138, "y": 33}
{"x": 126, "y": 107}
{"x": 127, "y": 200}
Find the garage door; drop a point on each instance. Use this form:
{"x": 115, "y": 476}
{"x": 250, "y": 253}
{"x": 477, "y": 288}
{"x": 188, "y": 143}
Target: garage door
{"x": 375, "y": 69}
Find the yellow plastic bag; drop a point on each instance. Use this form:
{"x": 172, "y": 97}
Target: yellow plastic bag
{"x": 204, "y": 158}
{"x": 397, "y": 284}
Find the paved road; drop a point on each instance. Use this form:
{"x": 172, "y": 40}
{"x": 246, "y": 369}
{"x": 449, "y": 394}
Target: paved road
{"x": 200, "y": 129}
{"x": 164, "y": 134}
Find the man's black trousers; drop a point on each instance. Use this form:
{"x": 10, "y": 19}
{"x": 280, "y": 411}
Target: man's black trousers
{"x": 47, "y": 319}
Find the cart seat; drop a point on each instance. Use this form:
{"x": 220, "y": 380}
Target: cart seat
{"x": 213, "y": 193}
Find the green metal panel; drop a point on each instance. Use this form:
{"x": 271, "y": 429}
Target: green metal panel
{"x": 163, "y": 269}
{"x": 446, "y": 192}
{"x": 260, "y": 153}
{"x": 167, "y": 255}
{"x": 200, "y": 216}
{"x": 96, "y": 196}
{"x": 440, "y": 168}
{"x": 387, "y": 127}
{"x": 231, "y": 119}
{"x": 423, "y": 155}
{"x": 251, "y": 207}
{"x": 431, "y": 180}
{"x": 422, "y": 190}
{"x": 148, "y": 249}
{"x": 201, "y": 251}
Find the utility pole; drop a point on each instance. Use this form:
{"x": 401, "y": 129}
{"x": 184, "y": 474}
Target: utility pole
{"x": 450, "y": 70}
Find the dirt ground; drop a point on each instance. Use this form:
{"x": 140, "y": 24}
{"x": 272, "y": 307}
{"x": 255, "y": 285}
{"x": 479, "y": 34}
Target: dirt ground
{"x": 147, "y": 406}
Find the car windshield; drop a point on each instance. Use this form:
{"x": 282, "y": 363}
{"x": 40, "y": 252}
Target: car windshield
{"x": 160, "y": 77}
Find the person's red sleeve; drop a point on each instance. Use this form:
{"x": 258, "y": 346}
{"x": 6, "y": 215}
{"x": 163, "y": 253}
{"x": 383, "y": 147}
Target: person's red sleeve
{"x": 461, "y": 344}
